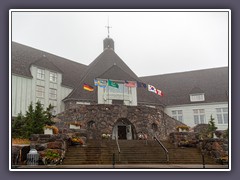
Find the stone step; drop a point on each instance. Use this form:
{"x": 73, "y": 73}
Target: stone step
{"x": 132, "y": 151}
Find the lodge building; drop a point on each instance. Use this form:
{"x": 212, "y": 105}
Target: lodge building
{"x": 188, "y": 97}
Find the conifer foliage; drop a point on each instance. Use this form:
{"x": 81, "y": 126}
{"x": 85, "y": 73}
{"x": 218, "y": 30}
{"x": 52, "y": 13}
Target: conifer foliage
{"x": 33, "y": 122}
{"x": 211, "y": 127}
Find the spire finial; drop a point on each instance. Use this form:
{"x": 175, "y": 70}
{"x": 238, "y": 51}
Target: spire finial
{"x": 108, "y": 27}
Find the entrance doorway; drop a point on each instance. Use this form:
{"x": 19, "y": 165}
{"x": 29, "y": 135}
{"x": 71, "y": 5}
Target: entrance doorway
{"x": 122, "y": 132}
{"x": 124, "y": 129}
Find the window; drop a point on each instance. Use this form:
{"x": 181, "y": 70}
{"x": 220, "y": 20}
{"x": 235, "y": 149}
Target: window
{"x": 53, "y": 77}
{"x": 121, "y": 89}
{"x": 197, "y": 97}
{"x": 199, "y": 116}
{"x": 40, "y": 91}
{"x": 177, "y": 114}
{"x": 154, "y": 127}
{"x": 91, "y": 124}
{"x": 52, "y": 94}
{"x": 40, "y": 74}
{"x": 222, "y": 115}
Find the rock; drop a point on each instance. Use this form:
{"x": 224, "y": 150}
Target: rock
{"x": 54, "y": 145}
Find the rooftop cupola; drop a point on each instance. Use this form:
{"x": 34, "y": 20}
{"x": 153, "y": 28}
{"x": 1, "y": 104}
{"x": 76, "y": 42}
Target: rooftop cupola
{"x": 108, "y": 42}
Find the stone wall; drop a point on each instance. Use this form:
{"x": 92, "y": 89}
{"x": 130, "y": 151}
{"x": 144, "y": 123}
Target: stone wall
{"x": 150, "y": 121}
{"x": 217, "y": 148}
{"x": 44, "y": 143}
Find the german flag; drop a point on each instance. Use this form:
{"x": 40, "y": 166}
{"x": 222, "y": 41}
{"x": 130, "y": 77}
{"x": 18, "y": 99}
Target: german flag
{"x": 87, "y": 87}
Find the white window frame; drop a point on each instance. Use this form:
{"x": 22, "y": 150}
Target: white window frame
{"x": 53, "y": 77}
{"x": 199, "y": 116}
{"x": 222, "y": 115}
{"x": 40, "y": 74}
{"x": 40, "y": 92}
{"x": 197, "y": 97}
{"x": 53, "y": 94}
{"x": 178, "y": 115}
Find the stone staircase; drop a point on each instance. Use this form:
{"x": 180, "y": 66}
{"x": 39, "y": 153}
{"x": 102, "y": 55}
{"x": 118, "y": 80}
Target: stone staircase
{"x": 132, "y": 152}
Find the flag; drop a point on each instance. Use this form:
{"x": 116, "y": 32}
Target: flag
{"x": 100, "y": 83}
{"x": 152, "y": 88}
{"x": 130, "y": 84}
{"x": 87, "y": 87}
{"x": 113, "y": 84}
{"x": 159, "y": 92}
{"x": 139, "y": 84}
{"x": 144, "y": 85}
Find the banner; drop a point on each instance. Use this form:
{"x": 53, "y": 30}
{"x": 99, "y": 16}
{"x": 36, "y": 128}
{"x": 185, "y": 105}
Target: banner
{"x": 130, "y": 84}
{"x": 100, "y": 83}
{"x": 87, "y": 87}
{"x": 113, "y": 84}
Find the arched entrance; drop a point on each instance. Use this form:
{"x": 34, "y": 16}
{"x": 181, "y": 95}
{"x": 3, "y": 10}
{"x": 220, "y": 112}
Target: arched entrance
{"x": 124, "y": 129}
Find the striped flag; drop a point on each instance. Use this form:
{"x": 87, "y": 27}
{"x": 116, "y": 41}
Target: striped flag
{"x": 87, "y": 87}
{"x": 130, "y": 84}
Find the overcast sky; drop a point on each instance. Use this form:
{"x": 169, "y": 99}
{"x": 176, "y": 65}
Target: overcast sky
{"x": 150, "y": 43}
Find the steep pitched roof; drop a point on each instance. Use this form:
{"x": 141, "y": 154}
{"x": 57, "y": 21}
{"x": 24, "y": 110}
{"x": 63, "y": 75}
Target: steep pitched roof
{"x": 24, "y": 56}
{"x": 108, "y": 65}
{"x": 178, "y": 86}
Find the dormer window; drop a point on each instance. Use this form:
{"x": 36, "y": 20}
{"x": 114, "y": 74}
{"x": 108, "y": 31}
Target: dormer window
{"x": 197, "y": 97}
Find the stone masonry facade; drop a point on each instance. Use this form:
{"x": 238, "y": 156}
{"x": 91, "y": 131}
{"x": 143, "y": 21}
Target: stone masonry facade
{"x": 101, "y": 119}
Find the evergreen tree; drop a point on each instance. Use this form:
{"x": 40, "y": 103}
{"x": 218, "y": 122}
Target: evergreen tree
{"x": 211, "y": 127}
{"x": 17, "y": 126}
{"x": 33, "y": 122}
{"x": 48, "y": 112}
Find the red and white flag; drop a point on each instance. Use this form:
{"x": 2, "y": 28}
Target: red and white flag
{"x": 159, "y": 92}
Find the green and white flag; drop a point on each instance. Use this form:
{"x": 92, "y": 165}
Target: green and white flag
{"x": 113, "y": 84}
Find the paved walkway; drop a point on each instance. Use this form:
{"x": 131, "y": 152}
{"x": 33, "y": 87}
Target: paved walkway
{"x": 125, "y": 166}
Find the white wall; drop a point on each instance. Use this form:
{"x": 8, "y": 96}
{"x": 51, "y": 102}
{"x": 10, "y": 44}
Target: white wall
{"x": 106, "y": 98}
{"x": 21, "y": 94}
{"x": 24, "y": 91}
{"x": 210, "y": 109}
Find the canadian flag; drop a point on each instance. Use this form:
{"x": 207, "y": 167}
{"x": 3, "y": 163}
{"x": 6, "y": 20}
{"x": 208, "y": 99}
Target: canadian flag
{"x": 159, "y": 92}
{"x": 152, "y": 88}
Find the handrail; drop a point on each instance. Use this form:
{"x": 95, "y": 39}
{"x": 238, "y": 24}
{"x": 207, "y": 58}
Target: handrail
{"x": 119, "y": 150}
{"x": 164, "y": 148}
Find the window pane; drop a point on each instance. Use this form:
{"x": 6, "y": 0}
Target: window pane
{"x": 201, "y": 111}
{"x": 225, "y": 109}
{"x": 180, "y": 118}
{"x": 174, "y": 112}
{"x": 195, "y": 111}
{"x": 179, "y": 111}
{"x": 219, "y": 118}
{"x": 202, "y": 119}
{"x": 225, "y": 116}
{"x": 219, "y": 110}
{"x": 196, "y": 120}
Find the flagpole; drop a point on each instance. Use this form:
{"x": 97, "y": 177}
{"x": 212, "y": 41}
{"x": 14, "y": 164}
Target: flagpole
{"x": 108, "y": 90}
{"x": 123, "y": 93}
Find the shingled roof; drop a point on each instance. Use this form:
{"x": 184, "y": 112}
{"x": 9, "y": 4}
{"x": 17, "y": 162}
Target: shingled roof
{"x": 24, "y": 56}
{"x": 108, "y": 65}
{"x": 177, "y": 87}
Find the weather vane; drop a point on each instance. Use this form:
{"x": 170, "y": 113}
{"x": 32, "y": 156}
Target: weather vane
{"x": 108, "y": 27}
